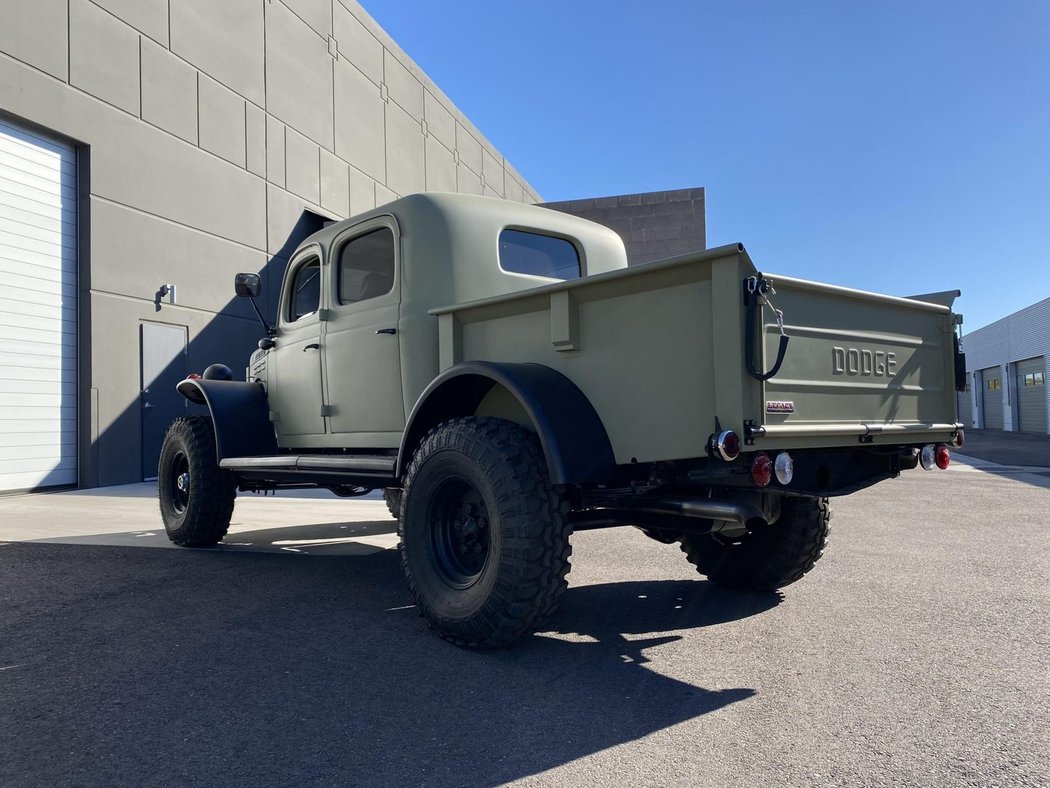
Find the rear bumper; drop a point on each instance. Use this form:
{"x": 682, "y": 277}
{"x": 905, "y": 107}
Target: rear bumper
{"x": 906, "y": 430}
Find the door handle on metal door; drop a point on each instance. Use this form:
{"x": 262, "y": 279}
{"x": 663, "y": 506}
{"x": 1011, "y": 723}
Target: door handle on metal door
{"x": 313, "y": 346}
{"x": 386, "y": 330}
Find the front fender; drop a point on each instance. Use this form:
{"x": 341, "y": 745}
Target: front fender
{"x": 240, "y": 414}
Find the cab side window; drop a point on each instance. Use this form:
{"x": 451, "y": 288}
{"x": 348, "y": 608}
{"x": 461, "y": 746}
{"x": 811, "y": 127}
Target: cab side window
{"x": 305, "y": 296}
{"x": 366, "y": 266}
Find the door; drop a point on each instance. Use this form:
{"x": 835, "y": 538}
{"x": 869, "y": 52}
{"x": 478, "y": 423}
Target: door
{"x": 362, "y": 351}
{"x": 992, "y": 398}
{"x": 163, "y": 365}
{"x": 965, "y": 412}
{"x": 1031, "y": 395}
{"x": 295, "y": 360}
{"x": 38, "y": 310}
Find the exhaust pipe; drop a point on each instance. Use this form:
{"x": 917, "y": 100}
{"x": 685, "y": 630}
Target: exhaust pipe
{"x": 649, "y": 511}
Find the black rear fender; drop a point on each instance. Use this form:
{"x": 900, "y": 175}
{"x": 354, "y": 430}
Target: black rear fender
{"x": 573, "y": 438}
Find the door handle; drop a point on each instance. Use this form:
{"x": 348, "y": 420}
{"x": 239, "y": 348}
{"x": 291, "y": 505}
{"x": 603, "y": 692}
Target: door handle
{"x": 386, "y": 330}
{"x": 313, "y": 346}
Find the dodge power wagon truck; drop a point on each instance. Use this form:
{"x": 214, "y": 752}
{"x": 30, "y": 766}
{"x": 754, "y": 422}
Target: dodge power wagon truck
{"x": 506, "y": 379}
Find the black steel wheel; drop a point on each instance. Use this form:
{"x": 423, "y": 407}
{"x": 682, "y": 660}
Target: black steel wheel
{"x": 196, "y": 496}
{"x": 458, "y": 530}
{"x": 769, "y": 557}
{"x": 179, "y": 482}
{"x": 484, "y": 535}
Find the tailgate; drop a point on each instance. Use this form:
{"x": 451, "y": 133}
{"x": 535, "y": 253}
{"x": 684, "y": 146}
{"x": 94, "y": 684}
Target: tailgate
{"x": 857, "y": 364}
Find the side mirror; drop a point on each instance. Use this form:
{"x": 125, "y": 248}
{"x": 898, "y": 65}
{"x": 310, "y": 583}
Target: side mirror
{"x": 247, "y": 285}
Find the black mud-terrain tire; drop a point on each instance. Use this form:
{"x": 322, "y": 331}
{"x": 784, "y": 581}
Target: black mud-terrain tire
{"x": 770, "y": 557}
{"x": 197, "y": 510}
{"x": 392, "y": 496}
{"x": 484, "y": 537}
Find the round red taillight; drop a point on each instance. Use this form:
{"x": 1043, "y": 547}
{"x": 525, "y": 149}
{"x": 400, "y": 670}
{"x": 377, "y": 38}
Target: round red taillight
{"x": 762, "y": 469}
{"x": 942, "y": 456}
{"x": 727, "y": 444}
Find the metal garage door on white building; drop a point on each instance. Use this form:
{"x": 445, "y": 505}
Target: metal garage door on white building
{"x": 992, "y": 398}
{"x": 38, "y": 310}
{"x": 1031, "y": 395}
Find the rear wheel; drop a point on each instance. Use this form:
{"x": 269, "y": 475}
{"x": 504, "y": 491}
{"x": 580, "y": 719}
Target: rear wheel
{"x": 196, "y": 496}
{"x": 392, "y": 496}
{"x": 484, "y": 535}
{"x": 769, "y": 557}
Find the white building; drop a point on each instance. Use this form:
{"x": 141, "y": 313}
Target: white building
{"x": 1006, "y": 373}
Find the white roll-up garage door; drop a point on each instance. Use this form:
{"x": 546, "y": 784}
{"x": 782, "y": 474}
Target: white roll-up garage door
{"x": 38, "y": 311}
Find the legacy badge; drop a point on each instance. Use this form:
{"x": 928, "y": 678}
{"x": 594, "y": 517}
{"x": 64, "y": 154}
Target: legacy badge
{"x": 780, "y": 406}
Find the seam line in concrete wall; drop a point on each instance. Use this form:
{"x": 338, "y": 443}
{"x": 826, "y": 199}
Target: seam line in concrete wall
{"x": 166, "y": 306}
{"x": 181, "y": 225}
{"x": 308, "y": 25}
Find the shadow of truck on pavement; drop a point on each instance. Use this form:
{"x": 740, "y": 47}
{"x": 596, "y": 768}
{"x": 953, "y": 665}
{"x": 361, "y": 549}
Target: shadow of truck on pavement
{"x": 235, "y": 668}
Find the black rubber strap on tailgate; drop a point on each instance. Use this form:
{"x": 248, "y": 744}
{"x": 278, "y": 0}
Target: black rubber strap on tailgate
{"x": 754, "y": 288}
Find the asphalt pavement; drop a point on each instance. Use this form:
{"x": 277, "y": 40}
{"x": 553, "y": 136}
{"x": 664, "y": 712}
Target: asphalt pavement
{"x": 916, "y": 653}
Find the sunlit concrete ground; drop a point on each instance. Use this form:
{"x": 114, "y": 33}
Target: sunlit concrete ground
{"x": 297, "y": 522}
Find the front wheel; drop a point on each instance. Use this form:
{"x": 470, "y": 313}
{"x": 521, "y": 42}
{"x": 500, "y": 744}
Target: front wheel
{"x": 484, "y": 535}
{"x": 769, "y": 557}
{"x": 196, "y": 496}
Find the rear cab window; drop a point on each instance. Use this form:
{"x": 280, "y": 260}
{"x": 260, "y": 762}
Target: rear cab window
{"x": 366, "y": 266}
{"x": 535, "y": 254}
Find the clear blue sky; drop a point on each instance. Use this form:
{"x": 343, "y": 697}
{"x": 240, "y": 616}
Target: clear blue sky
{"x": 902, "y": 147}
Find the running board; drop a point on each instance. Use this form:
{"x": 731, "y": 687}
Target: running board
{"x": 368, "y": 465}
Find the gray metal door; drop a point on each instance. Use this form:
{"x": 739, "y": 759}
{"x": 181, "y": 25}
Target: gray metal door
{"x": 992, "y": 398}
{"x": 1031, "y": 395}
{"x": 965, "y": 412}
{"x": 163, "y": 366}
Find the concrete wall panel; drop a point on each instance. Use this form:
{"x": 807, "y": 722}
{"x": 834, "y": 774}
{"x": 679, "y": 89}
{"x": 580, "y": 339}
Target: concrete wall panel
{"x": 469, "y": 149}
{"x": 303, "y": 166}
{"x": 35, "y": 32}
{"x": 146, "y": 16}
{"x": 441, "y": 167}
{"x": 255, "y": 139}
{"x": 403, "y": 86}
{"x": 467, "y": 181}
{"x": 362, "y": 192}
{"x": 136, "y": 253}
{"x": 357, "y": 44}
{"x": 335, "y": 185}
{"x": 298, "y": 75}
{"x": 359, "y": 113}
{"x": 405, "y": 168}
{"x": 440, "y": 122}
{"x": 275, "y": 146}
{"x": 169, "y": 91}
{"x": 221, "y": 121}
{"x": 384, "y": 195}
{"x": 493, "y": 172}
{"x": 316, "y": 13}
{"x": 224, "y": 40}
{"x": 103, "y": 56}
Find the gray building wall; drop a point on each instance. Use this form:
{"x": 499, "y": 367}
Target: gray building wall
{"x": 1023, "y": 335}
{"x": 205, "y": 129}
{"x": 653, "y": 225}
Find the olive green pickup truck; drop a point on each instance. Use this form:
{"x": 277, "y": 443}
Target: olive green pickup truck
{"x": 506, "y": 379}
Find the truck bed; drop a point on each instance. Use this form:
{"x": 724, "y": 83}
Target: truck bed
{"x": 859, "y": 368}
